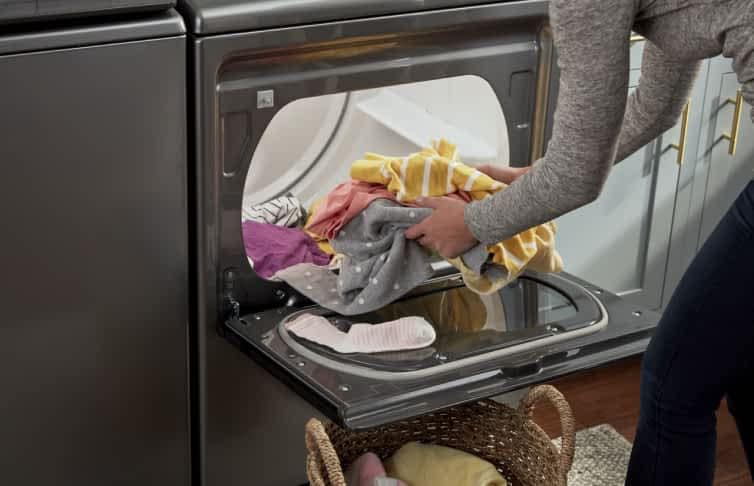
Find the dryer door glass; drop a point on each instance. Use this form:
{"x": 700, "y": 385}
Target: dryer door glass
{"x": 466, "y": 326}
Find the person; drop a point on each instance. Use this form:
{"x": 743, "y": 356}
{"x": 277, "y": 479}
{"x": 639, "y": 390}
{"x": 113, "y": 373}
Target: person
{"x": 703, "y": 348}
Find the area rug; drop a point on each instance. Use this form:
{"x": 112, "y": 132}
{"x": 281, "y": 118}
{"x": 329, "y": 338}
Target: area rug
{"x": 601, "y": 457}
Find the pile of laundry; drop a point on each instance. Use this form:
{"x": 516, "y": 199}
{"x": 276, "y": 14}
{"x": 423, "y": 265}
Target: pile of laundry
{"x": 352, "y": 255}
{"x": 274, "y": 238}
{"x": 417, "y": 464}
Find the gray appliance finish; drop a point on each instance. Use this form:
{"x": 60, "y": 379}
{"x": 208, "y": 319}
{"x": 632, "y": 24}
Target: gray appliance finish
{"x": 15, "y": 11}
{"x": 94, "y": 255}
{"x": 209, "y": 17}
{"x": 250, "y": 411}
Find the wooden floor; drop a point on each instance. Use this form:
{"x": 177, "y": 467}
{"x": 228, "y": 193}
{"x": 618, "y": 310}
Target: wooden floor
{"x": 610, "y": 395}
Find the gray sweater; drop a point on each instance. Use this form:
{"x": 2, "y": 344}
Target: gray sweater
{"x": 596, "y": 123}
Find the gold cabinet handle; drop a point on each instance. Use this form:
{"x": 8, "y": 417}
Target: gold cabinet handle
{"x": 636, "y": 38}
{"x": 738, "y": 101}
{"x": 681, "y": 145}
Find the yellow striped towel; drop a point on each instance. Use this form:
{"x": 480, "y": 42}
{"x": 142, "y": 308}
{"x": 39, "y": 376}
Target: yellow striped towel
{"x": 437, "y": 171}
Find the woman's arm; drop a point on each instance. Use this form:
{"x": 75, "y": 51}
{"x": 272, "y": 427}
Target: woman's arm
{"x": 657, "y": 102}
{"x": 592, "y": 39}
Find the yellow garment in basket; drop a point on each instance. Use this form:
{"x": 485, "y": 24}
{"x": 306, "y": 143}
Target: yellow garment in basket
{"x": 437, "y": 171}
{"x": 431, "y": 465}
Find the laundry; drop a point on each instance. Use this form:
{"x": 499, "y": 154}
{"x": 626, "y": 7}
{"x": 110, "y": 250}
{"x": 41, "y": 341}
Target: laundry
{"x": 482, "y": 276}
{"x": 432, "y": 172}
{"x": 367, "y": 470}
{"x": 403, "y": 334}
{"x": 379, "y": 264}
{"x": 436, "y": 171}
{"x": 284, "y": 211}
{"x": 341, "y": 205}
{"x": 345, "y": 202}
{"x": 480, "y": 273}
{"x": 272, "y": 248}
{"x": 432, "y": 465}
{"x": 322, "y": 242}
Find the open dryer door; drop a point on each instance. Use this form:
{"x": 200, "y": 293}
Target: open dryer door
{"x": 287, "y": 111}
{"x": 540, "y": 328}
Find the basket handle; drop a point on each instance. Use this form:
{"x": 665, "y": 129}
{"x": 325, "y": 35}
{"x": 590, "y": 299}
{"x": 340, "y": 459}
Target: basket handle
{"x": 322, "y": 452}
{"x": 567, "y": 422}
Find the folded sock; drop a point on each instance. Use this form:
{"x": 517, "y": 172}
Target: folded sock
{"x": 400, "y": 335}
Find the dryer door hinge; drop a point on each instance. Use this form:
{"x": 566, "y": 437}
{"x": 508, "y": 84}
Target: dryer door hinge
{"x": 235, "y": 309}
{"x": 232, "y": 306}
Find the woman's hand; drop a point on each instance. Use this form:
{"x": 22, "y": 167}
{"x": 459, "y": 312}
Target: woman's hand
{"x": 506, "y": 175}
{"x": 445, "y": 229}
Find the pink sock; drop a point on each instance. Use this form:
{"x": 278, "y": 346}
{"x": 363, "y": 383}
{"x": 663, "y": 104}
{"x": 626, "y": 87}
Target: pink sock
{"x": 400, "y": 335}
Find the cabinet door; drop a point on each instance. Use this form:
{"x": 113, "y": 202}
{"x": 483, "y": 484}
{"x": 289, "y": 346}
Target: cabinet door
{"x": 621, "y": 241}
{"x": 721, "y": 172}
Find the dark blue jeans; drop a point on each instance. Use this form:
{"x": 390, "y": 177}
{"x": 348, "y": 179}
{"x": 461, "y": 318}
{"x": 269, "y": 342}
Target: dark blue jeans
{"x": 702, "y": 351}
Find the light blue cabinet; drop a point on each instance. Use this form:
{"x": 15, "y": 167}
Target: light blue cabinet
{"x": 725, "y": 160}
{"x": 622, "y": 241}
{"x": 657, "y": 207}
{"x": 716, "y": 173}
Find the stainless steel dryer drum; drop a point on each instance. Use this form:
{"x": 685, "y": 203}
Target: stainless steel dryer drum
{"x": 285, "y": 96}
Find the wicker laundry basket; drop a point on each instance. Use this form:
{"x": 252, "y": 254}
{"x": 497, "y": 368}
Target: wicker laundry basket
{"x": 505, "y": 437}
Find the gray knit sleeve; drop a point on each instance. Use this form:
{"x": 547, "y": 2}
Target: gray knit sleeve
{"x": 592, "y": 38}
{"x": 658, "y": 102}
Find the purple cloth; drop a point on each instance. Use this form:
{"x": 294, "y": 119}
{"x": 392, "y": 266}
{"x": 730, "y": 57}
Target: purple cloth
{"x": 274, "y": 248}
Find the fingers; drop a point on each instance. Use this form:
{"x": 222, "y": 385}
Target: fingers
{"x": 416, "y": 231}
{"x": 451, "y": 253}
{"x": 429, "y": 202}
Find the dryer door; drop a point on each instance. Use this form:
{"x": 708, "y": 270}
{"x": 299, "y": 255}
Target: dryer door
{"x": 540, "y": 328}
{"x": 287, "y": 111}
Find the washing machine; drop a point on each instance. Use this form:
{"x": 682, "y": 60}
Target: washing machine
{"x": 94, "y": 286}
{"x": 285, "y": 96}
{"x": 15, "y": 12}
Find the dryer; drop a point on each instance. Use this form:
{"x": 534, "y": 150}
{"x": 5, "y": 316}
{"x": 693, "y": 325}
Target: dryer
{"x": 285, "y": 95}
